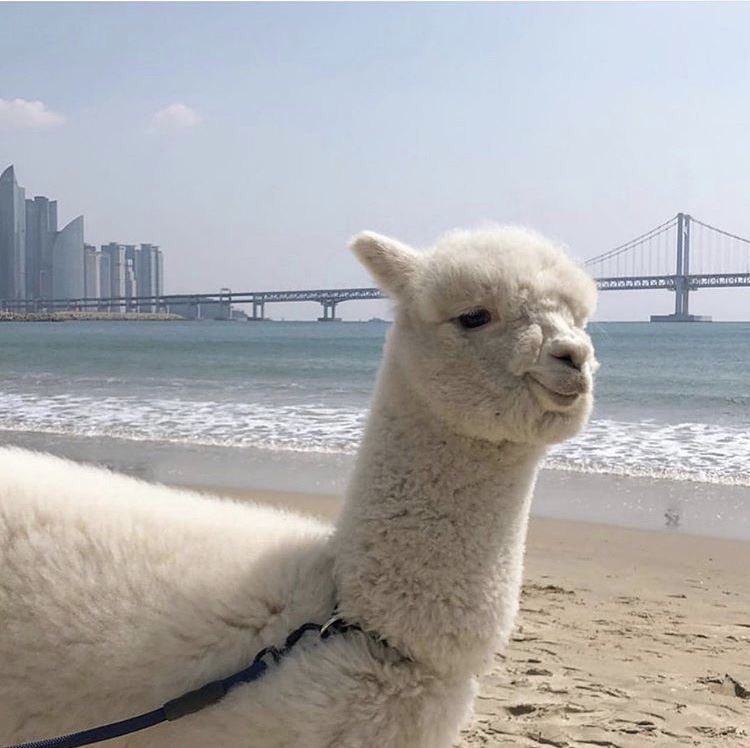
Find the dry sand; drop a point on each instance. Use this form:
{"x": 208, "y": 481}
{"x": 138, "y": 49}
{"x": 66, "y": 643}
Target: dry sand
{"x": 626, "y": 638}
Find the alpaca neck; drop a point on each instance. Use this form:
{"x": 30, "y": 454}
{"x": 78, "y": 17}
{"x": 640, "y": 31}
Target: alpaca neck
{"x": 430, "y": 540}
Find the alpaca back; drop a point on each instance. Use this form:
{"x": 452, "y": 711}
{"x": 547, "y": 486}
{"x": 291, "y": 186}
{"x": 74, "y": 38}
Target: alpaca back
{"x": 136, "y": 592}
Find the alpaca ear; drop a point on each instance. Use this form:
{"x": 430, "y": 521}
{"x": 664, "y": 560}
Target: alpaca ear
{"x": 391, "y": 263}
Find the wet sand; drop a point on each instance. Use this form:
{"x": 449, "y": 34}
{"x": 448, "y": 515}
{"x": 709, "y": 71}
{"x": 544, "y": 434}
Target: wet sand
{"x": 626, "y": 638}
{"x": 695, "y": 508}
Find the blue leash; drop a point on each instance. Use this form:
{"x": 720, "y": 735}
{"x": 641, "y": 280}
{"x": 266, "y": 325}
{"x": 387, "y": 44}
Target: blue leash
{"x": 192, "y": 701}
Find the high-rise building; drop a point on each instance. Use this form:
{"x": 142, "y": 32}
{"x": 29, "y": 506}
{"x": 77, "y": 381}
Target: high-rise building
{"x": 105, "y": 280}
{"x": 132, "y": 282}
{"x": 41, "y": 228}
{"x": 117, "y": 273}
{"x": 91, "y": 272}
{"x": 12, "y": 237}
{"x": 68, "y": 262}
{"x": 159, "y": 271}
{"x": 149, "y": 272}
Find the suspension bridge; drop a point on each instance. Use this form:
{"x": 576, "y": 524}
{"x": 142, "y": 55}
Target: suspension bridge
{"x": 681, "y": 255}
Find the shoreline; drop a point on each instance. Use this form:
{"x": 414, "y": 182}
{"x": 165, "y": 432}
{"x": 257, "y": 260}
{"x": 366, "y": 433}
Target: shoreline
{"x": 326, "y": 507}
{"x": 625, "y": 637}
{"x": 83, "y": 316}
{"x": 681, "y": 508}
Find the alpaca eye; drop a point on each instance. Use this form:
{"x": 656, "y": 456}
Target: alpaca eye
{"x": 475, "y": 318}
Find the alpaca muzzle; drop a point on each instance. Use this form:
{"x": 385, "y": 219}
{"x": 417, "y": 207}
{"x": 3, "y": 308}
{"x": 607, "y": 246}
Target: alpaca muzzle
{"x": 558, "y": 384}
{"x": 562, "y": 378}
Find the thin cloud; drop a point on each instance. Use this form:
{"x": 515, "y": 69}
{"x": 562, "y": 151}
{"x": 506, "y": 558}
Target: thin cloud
{"x": 22, "y": 114}
{"x": 174, "y": 117}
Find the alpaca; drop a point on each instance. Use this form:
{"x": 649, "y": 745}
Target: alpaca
{"x": 117, "y": 595}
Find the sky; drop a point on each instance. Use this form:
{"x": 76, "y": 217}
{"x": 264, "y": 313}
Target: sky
{"x": 251, "y": 141}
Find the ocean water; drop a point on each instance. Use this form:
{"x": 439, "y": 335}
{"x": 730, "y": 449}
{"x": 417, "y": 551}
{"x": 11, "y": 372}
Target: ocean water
{"x": 672, "y": 401}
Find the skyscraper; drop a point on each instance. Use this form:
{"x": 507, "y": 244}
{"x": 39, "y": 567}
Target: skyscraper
{"x": 68, "y": 262}
{"x": 41, "y": 228}
{"x": 117, "y": 272}
{"x": 132, "y": 282}
{"x": 92, "y": 272}
{"x": 12, "y": 237}
{"x": 105, "y": 280}
{"x": 150, "y": 271}
{"x": 159, "y": 272}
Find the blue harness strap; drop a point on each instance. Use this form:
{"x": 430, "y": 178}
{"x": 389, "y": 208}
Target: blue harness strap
{"x": 105, "y": 732}
{"x": 192, "y": 701}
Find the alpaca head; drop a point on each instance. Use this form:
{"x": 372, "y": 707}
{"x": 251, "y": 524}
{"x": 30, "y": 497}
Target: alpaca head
{"x": 489, "y": 331}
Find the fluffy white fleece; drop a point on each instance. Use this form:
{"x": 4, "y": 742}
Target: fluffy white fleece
{"x": 117, "y": 595}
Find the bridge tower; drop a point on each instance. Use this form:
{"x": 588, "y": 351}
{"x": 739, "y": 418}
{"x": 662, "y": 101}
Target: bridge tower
{"x": 682, "y": 278}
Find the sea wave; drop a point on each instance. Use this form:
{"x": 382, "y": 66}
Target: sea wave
{"x": 686, "y": 451}
{"x": 309, "y": 427}
{"x": 702, "y": 452}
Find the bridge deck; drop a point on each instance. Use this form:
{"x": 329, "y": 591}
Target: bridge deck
{"x": 337, "y": 295}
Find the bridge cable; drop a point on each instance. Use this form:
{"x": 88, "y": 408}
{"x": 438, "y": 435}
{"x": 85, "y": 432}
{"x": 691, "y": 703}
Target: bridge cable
{"x": 631, "y": 244}
{"x": 721, "y": 231}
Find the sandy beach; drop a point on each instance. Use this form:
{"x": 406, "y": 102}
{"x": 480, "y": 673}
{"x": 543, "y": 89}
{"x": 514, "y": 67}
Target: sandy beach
{"x": 626, "y": 638}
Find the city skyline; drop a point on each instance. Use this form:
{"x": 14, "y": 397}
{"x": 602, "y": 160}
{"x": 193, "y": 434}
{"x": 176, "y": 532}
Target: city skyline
{"x": 40, "y": 263}
{"x": 129, "y": 278}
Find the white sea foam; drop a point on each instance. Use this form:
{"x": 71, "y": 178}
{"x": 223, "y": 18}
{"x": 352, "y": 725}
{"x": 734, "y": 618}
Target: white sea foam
{"x": 686, "y": 451}
{"x": 309, "y": 427}
{"x": 702, "y": 452}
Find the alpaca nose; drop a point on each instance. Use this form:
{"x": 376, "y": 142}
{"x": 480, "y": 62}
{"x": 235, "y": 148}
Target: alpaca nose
{"x": 571, "y": 352}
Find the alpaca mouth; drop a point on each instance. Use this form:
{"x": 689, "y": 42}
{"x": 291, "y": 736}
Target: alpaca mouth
{"x": 558, "y": 398}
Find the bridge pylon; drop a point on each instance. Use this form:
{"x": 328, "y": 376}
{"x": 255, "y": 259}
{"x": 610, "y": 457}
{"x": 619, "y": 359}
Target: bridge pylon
{"x": 259, "y": 311}
{"x": 329, "y": 311}
{"x": 682, "y": 278}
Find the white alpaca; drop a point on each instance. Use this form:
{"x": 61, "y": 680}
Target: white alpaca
{"x": 116, "y": 595}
